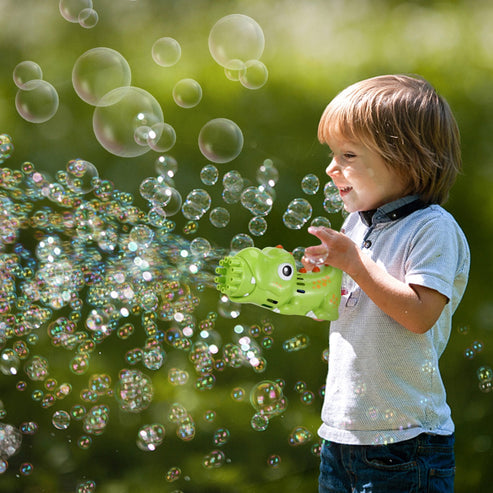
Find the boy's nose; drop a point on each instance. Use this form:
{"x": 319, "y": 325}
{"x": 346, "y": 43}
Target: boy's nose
{"x": 331, "y": 168}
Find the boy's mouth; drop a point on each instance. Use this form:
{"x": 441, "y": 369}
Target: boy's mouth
{"x": 344, "y": 190}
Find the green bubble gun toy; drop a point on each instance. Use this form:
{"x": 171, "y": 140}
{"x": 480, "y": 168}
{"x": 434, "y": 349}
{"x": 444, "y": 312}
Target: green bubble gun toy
{"x": 269, "y": 278}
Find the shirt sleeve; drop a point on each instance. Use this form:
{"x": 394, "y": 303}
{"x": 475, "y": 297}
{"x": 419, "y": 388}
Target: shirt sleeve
{"x": 438, "y": 256}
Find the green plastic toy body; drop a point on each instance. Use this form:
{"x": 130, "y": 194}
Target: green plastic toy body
{"x": 269, "y": 278}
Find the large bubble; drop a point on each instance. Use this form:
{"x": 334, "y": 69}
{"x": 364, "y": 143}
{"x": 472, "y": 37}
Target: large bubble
{"x": 121, "y": 119}
{"x": 220, "y": 140}
{"x": 166, "y": 51}
{"x": 37, "y": 101}
{"x": 97, "y": 72}
{"x": 236, "y": 37}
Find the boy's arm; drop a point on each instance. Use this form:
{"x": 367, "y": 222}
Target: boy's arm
{"x": 415, "y": 307}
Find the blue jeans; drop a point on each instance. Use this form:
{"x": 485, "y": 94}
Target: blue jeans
{"x": 425, "y": 464}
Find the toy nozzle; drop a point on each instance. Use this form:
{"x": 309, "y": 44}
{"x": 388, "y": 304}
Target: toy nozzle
{"x": 235, "y": 277}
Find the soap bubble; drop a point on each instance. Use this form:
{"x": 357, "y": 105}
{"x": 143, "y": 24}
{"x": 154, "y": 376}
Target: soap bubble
{"x": 200, "y": 247}
{"x": 221, "y": 436}
{"x": 321, "y": 221}
{"x": 166, "y": 51}
{"x": 150, "y": 437}
{"x": 88, "y": 18}
{"x": 267, "y": 173}
{"x": 240, "y": 241}
{"x": 196, "y": 204}
{"x": 214, "y": 460}
{"x": 485, "y": 374}
{"x": 26, "y": 468}
{"x": 255, "y": 75}
{"x": 26, "y": 71}
{"x": 310, "y": 184}
{"x": 209, "y": 174}
{"x": 134, "y": 391}
{"x": 187, "y": 93}
{"x": 267, "y": 398}
{"x": 96, "y": 420}
{"x": 61, "y": 420}
{"x": 257, "y": 201}
{"x": 257, "y": 226}
{"x": 37, "y": 101}
{"x": 70, "y": 9}
{"x": 259, "y": 422}
{"x": 220, "y": 140}
{"x": 10, "y": 440}
{"x": 236, "y": 36}
{"x": 297, "y": 214}
{"x": 161, "y": 137}
{"x": 274, "y": 461}
{"x": 173, "y": 474}
{"x": 81, "y": 176}
{"x": 296, "y": 343}
{"x": 299, "y": 436}
{"x": 88, "y": 486}
{"x": 234, "y": 69}
{"x": 99, "y": 71}
{"x": 119, "y": 114}
{"x": 219, "y": 217}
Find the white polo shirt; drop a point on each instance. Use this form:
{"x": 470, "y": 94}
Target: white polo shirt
{"x": 384, "y": 383}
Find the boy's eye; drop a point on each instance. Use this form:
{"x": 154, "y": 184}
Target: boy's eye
{"x": 349, "y": 155}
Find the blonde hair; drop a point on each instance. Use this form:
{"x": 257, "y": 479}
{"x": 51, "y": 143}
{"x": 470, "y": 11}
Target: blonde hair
{"x": 407, "y": 123}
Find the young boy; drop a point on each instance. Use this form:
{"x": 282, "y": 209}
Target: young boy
{"x": 395, "y": 155}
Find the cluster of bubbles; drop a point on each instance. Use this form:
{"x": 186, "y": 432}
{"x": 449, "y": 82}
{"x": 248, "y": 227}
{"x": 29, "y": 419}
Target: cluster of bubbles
{"x": 79, "y": 12}
{"x": 36, "y": 100}
{"x": 236, "y": 42}
{"x": 95, "y": 267}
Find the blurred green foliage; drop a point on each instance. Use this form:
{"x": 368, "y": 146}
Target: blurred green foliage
{"x": 313, "y": 49}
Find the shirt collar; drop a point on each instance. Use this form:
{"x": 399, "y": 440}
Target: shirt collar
{"x": 392, "y": 211}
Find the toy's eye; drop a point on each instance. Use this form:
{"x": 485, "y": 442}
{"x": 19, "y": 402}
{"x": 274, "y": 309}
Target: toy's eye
{"x": 285, "y": 271}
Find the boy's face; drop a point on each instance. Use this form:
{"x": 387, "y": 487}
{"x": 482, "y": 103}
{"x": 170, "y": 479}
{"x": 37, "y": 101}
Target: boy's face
{"x": 364, "y": 181}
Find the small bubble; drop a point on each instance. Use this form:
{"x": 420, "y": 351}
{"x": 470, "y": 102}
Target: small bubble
{"x": 220, "y": 140}
{"x": 214, "y": 460}
{"x": 37, "y": 101}
{"x": 26, "y": 468}
{"x": 274, "y": 461}
{"x": 296, "y": 343}
{"x": 26, "y": 71}
{"x": 70, "y": 9}
{"x": 257, "y": 226}
{"x": 150, "y": 437}
{"x": 166, "y": 51}
{"x": 173, "y": 474}
{"x": 209, "y": 174}
{"x": 255, "y": 75}
{"x": 187, "y": 93}
{"x": 259, "y": 422}
{"x": 61, "y": 420}
{"x": 219, "y": 217}
{"x": 298, "y": 212}
{"x": 299, "y": 436}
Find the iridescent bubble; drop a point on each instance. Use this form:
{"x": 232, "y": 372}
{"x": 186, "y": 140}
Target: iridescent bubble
{"x": 267, "y": 398}
{"x": 267, "y": 173}
{"x": 297, "y": 214}
{"x": 29, "y": 427}
{"x": 26, "y": 71}
{"x": 200, "y": 247}
{"x": 153, "y": 358}
{"x": 88, "y": 18}
{"x": 177, "y": 376}
{"x": 255, "y": 75}
{"x": 240, "y": 241}
{"x": 257, "y": 226}
{"x": 26, "y": 468}
{"x": 88, "y": 486}
{"x": 37, "y": 368}
{"x": 259, "y": 422}
{"x": 119, "y": 114}
{"x": 196, "y": 204}
{"x": 214, "y": 460}
{"x": 296, "y": 343}
{"x": 236, "y": 36}
{"x": 220, "y": 140}
{"x": 173, "y": 474}
{"x": 233, "y": 181}
{"x": 485, "y": 374}
{"x": 81, "y": 176}
{"x": 221, "y": 436}
{"x": 150, "y": 437}
{"x": 310, "y": 184}
{"x": 99, "y": 71}
{"x": 209, "y": 174}
{"x": 84, "y": 442}
{"x": 227, "y": 308}
{"x": 187, "y": 93}
{"x": 10, "y": 440}
{"x": 234, "y": 69}
{"x": 321, "y": 221}
{"x": 161, "y": 137}
{"x": 37, "y": 101}
{"x": 219, "y": 217}
{"x": 274, "y": 461}
{"x": 166, "y": 51}
{"x": 70, "y": 9}
{"x": 61, "y": 420}
{"x": 299, "y": 436}
{"x": 96, "y": 420}
{"x": 9, "y": 362}
{"x": 134, "y": 391}
{"x": 257, "y": 201}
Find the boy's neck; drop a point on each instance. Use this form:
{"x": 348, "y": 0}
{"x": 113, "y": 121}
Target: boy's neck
{"x": 392, "y": 210}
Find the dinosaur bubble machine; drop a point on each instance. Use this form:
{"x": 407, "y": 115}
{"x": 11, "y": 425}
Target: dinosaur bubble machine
{"x": 269, "y": 278}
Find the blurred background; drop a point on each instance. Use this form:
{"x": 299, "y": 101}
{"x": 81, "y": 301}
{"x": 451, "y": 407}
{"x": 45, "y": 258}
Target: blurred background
{"x": 198, "y": 426}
